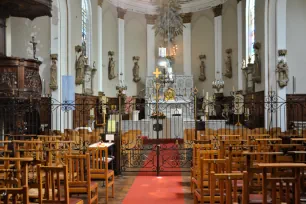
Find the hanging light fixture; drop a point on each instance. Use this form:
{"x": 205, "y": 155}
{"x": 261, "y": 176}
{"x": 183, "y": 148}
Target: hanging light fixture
{"x": 218, "y": 84}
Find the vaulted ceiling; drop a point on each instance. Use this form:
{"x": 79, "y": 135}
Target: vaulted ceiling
{"x": 149, "y": 6}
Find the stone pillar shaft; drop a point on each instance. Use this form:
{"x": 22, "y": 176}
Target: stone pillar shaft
{"x": 187, "y": 43}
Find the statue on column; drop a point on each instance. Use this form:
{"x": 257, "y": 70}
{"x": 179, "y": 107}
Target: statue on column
{"x": 81, "y": 61}
{"x": 53, "y": 73}
{"x": 228, "y": 64}
{"x": 111, "y": 65}
{"x": 256, "y": 76}
{"x": 136, "y": 77}
{"x": 282, "y": 69}
{"x": 202, "y": 76}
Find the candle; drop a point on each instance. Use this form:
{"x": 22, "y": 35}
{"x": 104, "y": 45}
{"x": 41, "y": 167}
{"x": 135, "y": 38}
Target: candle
{"x": 92, "y": 113}
{"x": 203, "y": 92}
{"x": 233, "y": 88}
{"x": 207, "y": 95}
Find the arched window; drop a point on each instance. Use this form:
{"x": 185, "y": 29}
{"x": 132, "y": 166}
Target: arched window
{"x": 250, "y": 29}
{"x": 86, "y": 28}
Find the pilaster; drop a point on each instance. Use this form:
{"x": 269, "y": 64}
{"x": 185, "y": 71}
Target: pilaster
{"x": 150, "y": 44}
{"x": 218, "y": 41}
{"x": 187, "y": 42}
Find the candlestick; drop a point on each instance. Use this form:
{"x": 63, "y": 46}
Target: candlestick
{"x": 92, "y": 113}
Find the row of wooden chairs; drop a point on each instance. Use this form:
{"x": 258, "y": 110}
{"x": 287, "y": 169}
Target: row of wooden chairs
{"x": 228, "y": 170}
{"x": 49, "y": 151}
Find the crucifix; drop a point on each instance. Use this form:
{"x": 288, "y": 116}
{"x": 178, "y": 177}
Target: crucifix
{"x": 157, "y": 73}
{"x": 34, "y": 47}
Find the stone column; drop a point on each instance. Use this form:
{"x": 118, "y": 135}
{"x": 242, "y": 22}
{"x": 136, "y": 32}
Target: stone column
{"x": 187, "y": 43}
{"x": 218, "y": 41}
{"x": 150, "y": 44}
{"x": 239, "y": 37}
{"x": 121, "y": 12}
{"x": 100, "y": 46}
{"x": 281, "y": 47}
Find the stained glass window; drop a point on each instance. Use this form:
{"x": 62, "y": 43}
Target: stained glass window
{"x": 84, "y": 25}
{"x": 250, "y": 28}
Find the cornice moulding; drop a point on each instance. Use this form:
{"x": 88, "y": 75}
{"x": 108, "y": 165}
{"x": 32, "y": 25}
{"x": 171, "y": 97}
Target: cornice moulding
{"x": 146, "y": 7}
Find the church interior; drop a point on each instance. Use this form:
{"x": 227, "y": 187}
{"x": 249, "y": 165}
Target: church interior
{"x": 152, "y": 101}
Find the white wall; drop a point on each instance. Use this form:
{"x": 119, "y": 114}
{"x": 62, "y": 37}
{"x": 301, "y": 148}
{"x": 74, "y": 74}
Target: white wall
{"x": 260, "y": 37}
{"x": 135, "y": 45}
{"x": 110, "y": 43}
{"x": 22, "y": 31}
{"x": 202, "y": 41}
{"x": 296, "y": 44}
{"x": 229, "y": 40}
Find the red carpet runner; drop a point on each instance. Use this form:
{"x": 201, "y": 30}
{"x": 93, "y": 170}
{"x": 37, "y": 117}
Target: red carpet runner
{"x": 150, "y": 189}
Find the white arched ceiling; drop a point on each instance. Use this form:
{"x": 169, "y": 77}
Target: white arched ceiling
{"x": 149, "y": 6}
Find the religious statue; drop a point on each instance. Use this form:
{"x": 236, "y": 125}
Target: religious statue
{"x": 256, "y": 76}
{"x": 53, "y": 73}
{"x": 202, "y": 76}
{"x": 111, "y": 66}
{"x": 228, "y": 64}
{"x": 136, "y": 77}
{"x": 282, "y": 69}
{"x": 169, "y": 94}
{"x": 80, "y": 63}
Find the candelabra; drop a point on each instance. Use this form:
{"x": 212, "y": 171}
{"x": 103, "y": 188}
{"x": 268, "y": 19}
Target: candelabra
{"x": 238, "y": 105}
{"x": 208, "y": 106}
{"x": 218, "y": 84}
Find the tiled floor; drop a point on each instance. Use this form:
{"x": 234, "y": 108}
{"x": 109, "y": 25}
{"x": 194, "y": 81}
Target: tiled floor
{"x": 123, "y": 184}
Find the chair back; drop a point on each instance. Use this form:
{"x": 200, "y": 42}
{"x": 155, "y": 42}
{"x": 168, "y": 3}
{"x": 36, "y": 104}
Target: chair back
{"x": 14, "y": 195}
{"x": 78, "y": 178}
{"x": 49, "y": 190}
{"x": 98, "y": 161}
{"x": 226, "y": 183}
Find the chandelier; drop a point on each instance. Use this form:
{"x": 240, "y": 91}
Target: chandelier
{"x": 218, "y": 84}
{"x": 169, "y": 23}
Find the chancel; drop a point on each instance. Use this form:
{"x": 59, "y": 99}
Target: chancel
{"x": 152, "y": 101}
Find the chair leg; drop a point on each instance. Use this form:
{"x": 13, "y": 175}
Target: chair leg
{"x": 195, "y": 199}
{"x": 113, "y": 187}
{"x": 106, "y": 190}
{"x": 97, "y": 200}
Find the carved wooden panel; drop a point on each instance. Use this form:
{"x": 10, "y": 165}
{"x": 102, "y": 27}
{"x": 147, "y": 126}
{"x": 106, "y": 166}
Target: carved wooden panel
{"x": 83, "y": 104}
{"x": 255, "y": 103}
{"x": 296, "y": 108}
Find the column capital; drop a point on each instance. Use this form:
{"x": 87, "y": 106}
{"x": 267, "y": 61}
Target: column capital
{"x": 151, "y": 19}
{"x": 121, "y": 12}
{"x": 100, "y": 2}
{"x": 218, "y": 10}
{"x": 186, "y": 17}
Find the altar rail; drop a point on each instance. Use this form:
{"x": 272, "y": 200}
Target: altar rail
{"x": 49, "y": 116}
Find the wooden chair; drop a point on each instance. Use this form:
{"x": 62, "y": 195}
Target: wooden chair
{"x": 195, "y": 161}
{"x": 14, "y": 195}
{"x": 50, "y": 189}
{"x": 99, "y": 167}
{"x": 78, "y": 182}
{"x": 201, "y": 193}
{"x": 226, "y": 183}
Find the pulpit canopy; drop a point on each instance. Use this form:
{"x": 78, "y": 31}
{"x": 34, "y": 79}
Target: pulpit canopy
{"x": 30, "y": 9}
